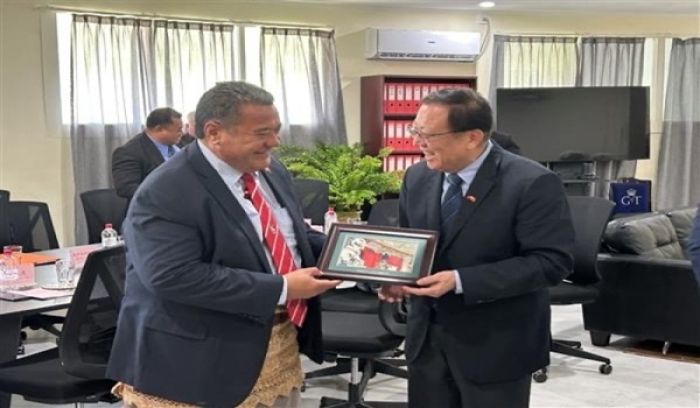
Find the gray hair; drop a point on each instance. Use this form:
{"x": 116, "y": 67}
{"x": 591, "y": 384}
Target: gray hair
{"x": 224, "y": 101}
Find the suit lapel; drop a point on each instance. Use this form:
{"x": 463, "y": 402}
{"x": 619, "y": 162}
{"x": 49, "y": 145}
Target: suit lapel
{"x": 221, "y": 193}
{"x": 433, "y": 195}
{"x": 479, "y": 189}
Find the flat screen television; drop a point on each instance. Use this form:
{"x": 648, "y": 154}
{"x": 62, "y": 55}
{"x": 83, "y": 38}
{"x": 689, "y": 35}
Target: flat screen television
{"x": 576, "y": 124}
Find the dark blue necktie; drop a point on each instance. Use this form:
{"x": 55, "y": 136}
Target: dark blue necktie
{"x": 171, "y": 151}
{"x": 451, "y": 203}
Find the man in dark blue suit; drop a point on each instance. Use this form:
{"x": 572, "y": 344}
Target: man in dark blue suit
{"x": 479, "y": 325}
{"x": 203, "y": 320}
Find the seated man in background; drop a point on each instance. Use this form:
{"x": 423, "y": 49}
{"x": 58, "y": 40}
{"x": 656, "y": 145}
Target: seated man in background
{"x": 132, "y": 162}
{"x": 187, "y": 131}
{"x": 220, "y": 278}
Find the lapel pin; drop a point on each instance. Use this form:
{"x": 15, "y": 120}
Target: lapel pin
{"x": 471, "y": 198}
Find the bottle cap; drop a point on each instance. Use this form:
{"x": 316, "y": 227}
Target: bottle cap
{"x": 108, "y": 225}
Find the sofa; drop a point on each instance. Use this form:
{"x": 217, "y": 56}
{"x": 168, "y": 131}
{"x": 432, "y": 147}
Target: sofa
{"x": 647, "y": 287}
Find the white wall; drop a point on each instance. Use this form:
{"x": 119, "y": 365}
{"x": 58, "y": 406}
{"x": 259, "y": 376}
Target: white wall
{"x": 35, "y": 160}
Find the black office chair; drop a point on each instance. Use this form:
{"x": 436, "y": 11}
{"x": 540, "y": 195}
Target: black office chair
{"x": 590, "y": 215}
{"x": 365, "y": 339}
{"x": 75, "y": 372}
{"x": 31, "y": 226}
{"x": 313, "y": 195}
{"x": 384, "y": 212}
{"x": 4, "y": 220}
{"x": 102, "y": 207}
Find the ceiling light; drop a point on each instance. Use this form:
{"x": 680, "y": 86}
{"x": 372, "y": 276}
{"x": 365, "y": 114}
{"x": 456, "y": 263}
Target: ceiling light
{"x": 487, "y": 4}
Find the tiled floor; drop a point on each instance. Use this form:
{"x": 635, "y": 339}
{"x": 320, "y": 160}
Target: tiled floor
{"x": 636, "y": 381}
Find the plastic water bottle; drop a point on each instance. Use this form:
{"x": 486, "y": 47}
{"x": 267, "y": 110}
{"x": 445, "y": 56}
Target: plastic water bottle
{"x": 328, "y": 219}
{"x": 109, "y": 236}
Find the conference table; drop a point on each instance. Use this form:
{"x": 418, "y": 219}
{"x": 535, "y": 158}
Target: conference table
{"x": 12, "y": 312}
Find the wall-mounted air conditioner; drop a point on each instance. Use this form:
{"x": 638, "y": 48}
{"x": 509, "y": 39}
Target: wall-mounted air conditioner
{"x": 422, "y": 45}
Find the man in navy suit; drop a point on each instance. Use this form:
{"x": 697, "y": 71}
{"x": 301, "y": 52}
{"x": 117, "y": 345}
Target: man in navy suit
{"x": 144, "y": 152}
{"x": 203, "y": 320}
{"x": 479, "y": 325}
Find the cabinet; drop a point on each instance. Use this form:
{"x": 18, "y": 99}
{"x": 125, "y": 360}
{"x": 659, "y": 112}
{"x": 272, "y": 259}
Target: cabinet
{"x": 389, "y": 105}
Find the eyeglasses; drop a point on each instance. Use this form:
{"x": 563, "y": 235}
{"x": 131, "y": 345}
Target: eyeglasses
{"x": 416, "y": 133}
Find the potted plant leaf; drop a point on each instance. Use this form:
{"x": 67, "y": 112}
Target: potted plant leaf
{"x": 353, "y": 178}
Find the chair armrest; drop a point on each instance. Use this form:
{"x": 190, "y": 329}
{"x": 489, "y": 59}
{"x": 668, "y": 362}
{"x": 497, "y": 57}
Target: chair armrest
{"x": 393, "y": 317}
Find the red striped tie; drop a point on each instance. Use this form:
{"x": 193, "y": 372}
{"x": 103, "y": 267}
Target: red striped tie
{"x": 274, "y": 241}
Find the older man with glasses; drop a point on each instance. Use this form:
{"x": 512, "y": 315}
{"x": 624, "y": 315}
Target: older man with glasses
{"x": 479, "y": 324}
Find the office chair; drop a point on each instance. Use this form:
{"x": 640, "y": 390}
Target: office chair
{"x": 589, "y": 215}
{"x": 384, "y": 212}
{"x": 74, "y": 373}
{"x": 313, "y": 195}
{"x": 365, "y": 339}
{"x": 102, "y": 207}
{"x": 359, "y": 299}
{"x": 31, "y": 226}
{"x": 4, "y": 220}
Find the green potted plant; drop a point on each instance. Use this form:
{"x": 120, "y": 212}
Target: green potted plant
{"x": 353, "y": 177}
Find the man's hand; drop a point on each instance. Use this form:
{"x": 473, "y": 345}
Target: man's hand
{"x": 391, "y": 293}
{"x": 305, "y": 283}
{"x": 434, "y": 285}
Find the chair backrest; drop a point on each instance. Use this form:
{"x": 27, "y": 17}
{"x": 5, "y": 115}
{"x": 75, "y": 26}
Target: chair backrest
{"x": 88, "y": 331}
{"x": 102, "y": 207}
{"x": 31, "y": 226}
{"x": 4, "y": 220}
{"x": 385, "y": 212}
{"x": 589, "y": 216}
{"x": 313, "y": 195}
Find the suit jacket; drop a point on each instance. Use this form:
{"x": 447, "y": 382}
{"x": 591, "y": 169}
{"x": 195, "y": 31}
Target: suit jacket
{"x": 185, "y": 140}
{"x": 508, "y": 245}
{"x": 200, "y": 297}
{"x": 505, "y": 141}
{"x": 132, "y": 162}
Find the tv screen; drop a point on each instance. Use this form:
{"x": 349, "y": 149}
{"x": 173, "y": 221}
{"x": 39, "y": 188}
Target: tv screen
{"x": 576, "y": 124}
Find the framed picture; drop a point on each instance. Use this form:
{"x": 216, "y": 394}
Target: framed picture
{"x": 370, "y": 253}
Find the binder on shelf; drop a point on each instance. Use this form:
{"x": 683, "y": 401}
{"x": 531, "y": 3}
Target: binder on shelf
{"x": 390, "y": 102}
{"x": 400, "y": 95}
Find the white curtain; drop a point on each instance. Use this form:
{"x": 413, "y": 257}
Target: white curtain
{"x": 532, "y": 61}
{"x": 612, "y": 61}
{"x": 678, "y": 178}
{"x": 299, "y": 67}
{"x": 121, "y": 69}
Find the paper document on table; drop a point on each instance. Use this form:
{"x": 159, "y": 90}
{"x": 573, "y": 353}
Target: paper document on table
{"x": 40, "y": 293}
{"x": 37, "y": 259}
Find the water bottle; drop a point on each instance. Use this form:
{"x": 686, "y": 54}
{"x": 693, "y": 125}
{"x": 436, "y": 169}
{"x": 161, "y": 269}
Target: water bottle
{"x": 109, "y": 236}
{"x": 328, "y": 219}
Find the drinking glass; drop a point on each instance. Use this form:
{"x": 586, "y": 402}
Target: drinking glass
{"x": 13, "y": 251}
{"x": 64, "y": 273}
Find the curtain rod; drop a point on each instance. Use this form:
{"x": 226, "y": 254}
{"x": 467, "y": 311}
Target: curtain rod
{"x": 182, "y": 18}
{"x": 650, "y": 35}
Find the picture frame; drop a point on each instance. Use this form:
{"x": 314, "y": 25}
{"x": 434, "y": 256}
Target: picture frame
{"x": 369, "y": 253}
